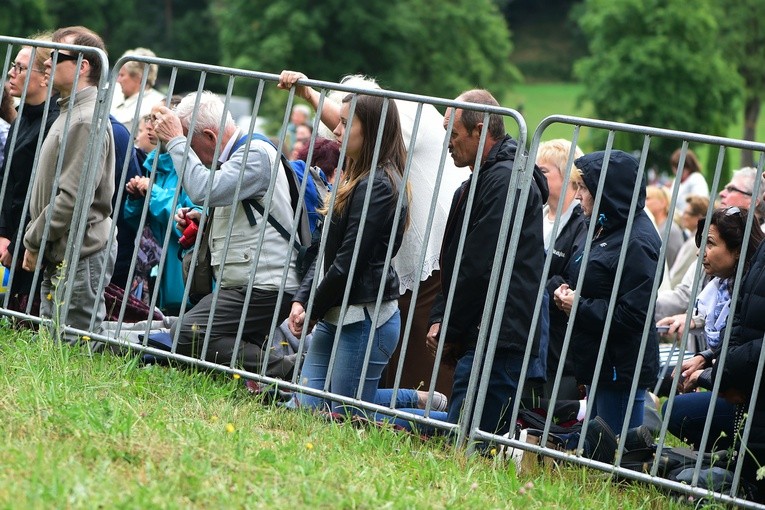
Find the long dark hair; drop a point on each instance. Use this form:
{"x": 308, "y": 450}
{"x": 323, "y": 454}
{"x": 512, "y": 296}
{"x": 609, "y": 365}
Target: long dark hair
{"x": 392, "y": 156}
{"x": 730, "y": 223}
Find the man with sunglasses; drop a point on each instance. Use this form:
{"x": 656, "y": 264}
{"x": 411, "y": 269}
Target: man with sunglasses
{"x": 75, "y": 76}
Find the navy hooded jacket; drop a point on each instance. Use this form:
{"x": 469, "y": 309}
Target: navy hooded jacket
{"x": 631, "y": 309}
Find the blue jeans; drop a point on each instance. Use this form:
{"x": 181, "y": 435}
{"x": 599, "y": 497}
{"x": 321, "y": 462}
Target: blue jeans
{"x": 349, "y": 360}
{"x": 689, "y": 414}
{"x": 611, "y": 404}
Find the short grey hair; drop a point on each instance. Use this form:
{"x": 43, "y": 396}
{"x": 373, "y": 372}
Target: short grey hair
{"x": 748, "y": 174}
{"x": 208, "y": 114}
{"x": 136, "y": 68}
{"x": 304, "y": 109}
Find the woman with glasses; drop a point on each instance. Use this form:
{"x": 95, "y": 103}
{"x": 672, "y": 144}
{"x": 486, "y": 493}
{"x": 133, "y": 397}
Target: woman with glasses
{"x": 27, "y": 80}
{"x": 619, "y": 368}
{"x": 723, "y": 250}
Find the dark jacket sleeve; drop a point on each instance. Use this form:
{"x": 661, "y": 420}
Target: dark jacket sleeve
{"x": 377, "y": 223}
{"x": 478, "y": 257}
{"x": 634, "y": 293}
{"x": 578, "y": 236}
{"x": 741, "y": 367}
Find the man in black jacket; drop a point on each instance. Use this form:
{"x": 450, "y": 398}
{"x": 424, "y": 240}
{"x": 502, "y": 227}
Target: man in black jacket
{"x": 484, "y": 219}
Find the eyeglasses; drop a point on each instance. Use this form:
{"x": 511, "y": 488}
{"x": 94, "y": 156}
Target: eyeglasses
{"x": 63, "y": 57}
{"x": 730, "y": 211}
{"x": 730, "y": 188}
{"x": 15, "y": 66}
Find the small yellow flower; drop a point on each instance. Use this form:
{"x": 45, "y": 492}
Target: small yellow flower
{"x": 237, "y": 376}
{"x": 309, "y": 446}
{"x": 85, "y": 338}
{"x": 493, "y": 451}
{"x": 194, "y": 327}
{"x": 230, "y": 428}
{"x": 213, "y": 418}
{"x": 49, "y": 296}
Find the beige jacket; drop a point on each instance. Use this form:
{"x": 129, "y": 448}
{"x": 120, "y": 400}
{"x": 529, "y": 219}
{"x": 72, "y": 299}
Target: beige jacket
{"x": 73, "y": 158}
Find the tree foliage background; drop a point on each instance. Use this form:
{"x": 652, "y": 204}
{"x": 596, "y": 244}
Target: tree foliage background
{"x": 422, "y": 46}
{"x": 658, "y": 63}
{"x": 665, "y": 63}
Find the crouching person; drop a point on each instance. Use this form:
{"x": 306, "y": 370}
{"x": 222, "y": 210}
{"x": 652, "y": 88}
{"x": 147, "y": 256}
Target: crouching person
{"x": 233, "y": 277}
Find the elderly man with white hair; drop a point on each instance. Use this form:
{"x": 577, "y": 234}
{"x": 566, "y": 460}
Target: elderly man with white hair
{"x": 233, "y": 277}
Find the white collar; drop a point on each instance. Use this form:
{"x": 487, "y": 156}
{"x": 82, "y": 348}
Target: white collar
{"x": 225, "y": 153}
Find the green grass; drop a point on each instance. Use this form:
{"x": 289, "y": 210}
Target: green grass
{"x": 539, "y": 100}
{"x": 104, "y": 432}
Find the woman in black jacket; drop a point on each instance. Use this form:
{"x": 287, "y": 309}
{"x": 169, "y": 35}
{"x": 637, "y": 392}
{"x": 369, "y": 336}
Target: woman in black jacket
{"x": 368, "y": 274}
{"x": 18, "y": 163}
{"x": 610, "y": 400}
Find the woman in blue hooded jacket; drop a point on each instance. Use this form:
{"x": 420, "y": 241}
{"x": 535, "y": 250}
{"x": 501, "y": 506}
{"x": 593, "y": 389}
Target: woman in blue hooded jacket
{"x": 610, "y": 400}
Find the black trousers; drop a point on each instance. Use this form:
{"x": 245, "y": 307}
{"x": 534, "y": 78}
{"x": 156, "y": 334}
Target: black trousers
{"x": 230, "y": 311}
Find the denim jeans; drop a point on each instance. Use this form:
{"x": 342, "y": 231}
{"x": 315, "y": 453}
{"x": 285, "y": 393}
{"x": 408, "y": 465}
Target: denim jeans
{"x": 611, "y": 404}
{"x": 689, "y": 414}
{"x": 349, "y": 360}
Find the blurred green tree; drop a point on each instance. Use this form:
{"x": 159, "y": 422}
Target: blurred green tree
{"x": 743, "y": 39}
{"x": 422, "y": 46}
{"x": 658, "y": 63}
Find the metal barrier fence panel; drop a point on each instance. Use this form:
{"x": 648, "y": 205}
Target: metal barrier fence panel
{"x": 423, "y": 126}
{"x": 615, "y": 328}
{"x": 428, "y": 167}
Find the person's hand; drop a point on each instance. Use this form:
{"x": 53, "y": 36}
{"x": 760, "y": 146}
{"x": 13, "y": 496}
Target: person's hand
{"x": 296, "y": 320}
{"x": 4, "y": 244}
{"x": 564, "y": 298}
{"x": 167, "y": 125}
{"x": 137, "y": 186}
{"x": 676, "y": 324}
{"x": 691, "y": 365}
{"x": 185, "y": 215}
{"x": 30, "y": 260}
{"x": 689, "y": 382}
{"x": 431, "y": 339}
{"x": 6, "y": 258}
{"x": 288, "y": 79}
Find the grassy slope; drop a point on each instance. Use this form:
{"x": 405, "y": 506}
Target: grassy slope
{"x": 82, "y": 432}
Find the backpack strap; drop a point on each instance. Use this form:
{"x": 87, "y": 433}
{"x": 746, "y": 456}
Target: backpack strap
{"x": 304, "y": 234}
{"x": 250, "y": 203}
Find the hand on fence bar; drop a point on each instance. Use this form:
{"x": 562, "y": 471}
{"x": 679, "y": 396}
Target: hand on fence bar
{"x": 288, "y": 78}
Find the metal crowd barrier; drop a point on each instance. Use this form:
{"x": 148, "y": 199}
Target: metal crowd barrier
{"x": 683, "y": 139}
{"x": 467, "y": 430}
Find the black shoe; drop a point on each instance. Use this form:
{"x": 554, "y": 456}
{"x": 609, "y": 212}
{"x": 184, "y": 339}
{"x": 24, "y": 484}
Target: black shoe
{"x": 600, "y": 441}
